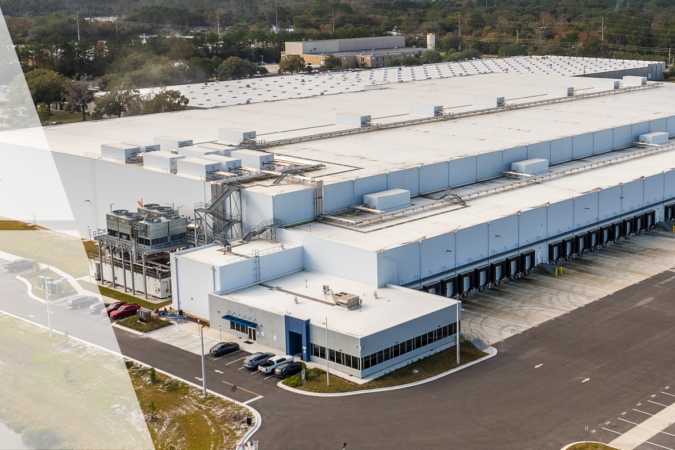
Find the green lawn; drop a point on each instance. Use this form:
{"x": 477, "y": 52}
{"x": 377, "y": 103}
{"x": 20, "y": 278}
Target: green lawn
{"x": 592, "y": 446}
{"x": 135, "y": 323}
{"x": 419, "y": 370}
{"x": 61, "y": 117}
{"x": 121, "y": 296}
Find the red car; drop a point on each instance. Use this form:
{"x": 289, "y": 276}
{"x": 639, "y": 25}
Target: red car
{"x": 111, "y": 308}
{"x": 127, "y": 310}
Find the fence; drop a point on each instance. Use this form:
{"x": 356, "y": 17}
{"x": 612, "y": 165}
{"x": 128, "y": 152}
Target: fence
{"x": 478, "y": 340}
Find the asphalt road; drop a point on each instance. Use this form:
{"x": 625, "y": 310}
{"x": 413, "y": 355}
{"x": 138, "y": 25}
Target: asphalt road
{"x": 545, "y": 385}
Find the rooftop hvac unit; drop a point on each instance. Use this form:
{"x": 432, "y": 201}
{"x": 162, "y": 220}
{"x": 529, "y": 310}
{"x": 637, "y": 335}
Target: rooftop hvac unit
{"x": 634, "y": 81}
{"x": 120, "y": 152}
{"x": 235, "y": 136}
{"x": 561, "y": 91}
{"x": 223, "y": 150}
{"x": 346, "y": 300}
{"x": 196, "y": 152}
{"x": 144, "y": 146}
{"x": 352, "y": 120}
{"x": 226, "y": 164}
{"x": 126, "y": 222}
{"x": 607, "y": 84}
{"x": 656, "y": 138}
{"x": 254, "y": 159}
{"x": 169, "y": 143}
{"x": 389, "y": 200}
{"x": 197, "y": 167}
{"x": 533, "y": 166}
{"x": 426, "y": 110}
{"x": 161, "y": 161}
{"x": 492, "y": 102}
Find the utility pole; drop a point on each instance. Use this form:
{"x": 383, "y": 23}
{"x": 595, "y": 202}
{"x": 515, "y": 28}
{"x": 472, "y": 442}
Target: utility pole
{"x": 327, "y": 356}
{"x": 218, "y": 16}
{"x": 668, "y": 56}
{"x": 602, "y": 32}
{"x": 460, "y": 32}
{"x": 49, "y": 314}
{"x": 201, "y": 335}
{"x": 516, "y": 36}
{"x": 78, "y": 27}
{"x": 333, "y": 21}
{"x": 457, "y": 332}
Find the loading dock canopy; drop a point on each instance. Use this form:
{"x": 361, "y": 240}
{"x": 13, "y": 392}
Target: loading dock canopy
{"x": 240, "y": 321}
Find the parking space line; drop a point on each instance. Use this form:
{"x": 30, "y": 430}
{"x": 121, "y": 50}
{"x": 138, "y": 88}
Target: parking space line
{"x": 642, "y": 412}
{"x": 235, "y": 361}
{"x": 252, "y": 400}
{"x": 641, "y": 440}
{"x": 660, "y": 404}
{"x": 256, "y": 372}
{"x": 239, "y": 387}
{"x": 269, "y": 377}
{"x": 668, "y": 394}
{"x": 644, "y": 426}
{"x": 242, "y": 367}
{"x": 30, "y": 315}
{"x": 229, "y": 354}
{"x": 219, "y": 372}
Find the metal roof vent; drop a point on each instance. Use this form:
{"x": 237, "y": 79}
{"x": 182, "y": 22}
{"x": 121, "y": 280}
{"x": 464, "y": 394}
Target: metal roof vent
{"x": 345, "y": 300}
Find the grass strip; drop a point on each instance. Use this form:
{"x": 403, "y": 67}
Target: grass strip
{"x": 418, "y": 370}
{"x": 591, "y": 446}
{"x": 121, "y": 296}
{"x": 134, "y": 322}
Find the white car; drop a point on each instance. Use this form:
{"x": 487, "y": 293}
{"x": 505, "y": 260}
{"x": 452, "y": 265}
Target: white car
{"x": 273, "y": 363}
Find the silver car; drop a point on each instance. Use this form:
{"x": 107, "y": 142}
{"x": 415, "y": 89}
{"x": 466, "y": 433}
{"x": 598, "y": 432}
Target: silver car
{"x": 254, "y": 360}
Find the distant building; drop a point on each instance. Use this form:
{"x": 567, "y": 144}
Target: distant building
{"x": 368, "y": 52}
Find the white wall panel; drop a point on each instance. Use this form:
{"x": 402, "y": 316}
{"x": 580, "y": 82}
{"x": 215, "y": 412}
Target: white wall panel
{"x": 234, "y": 276}
{"x": 533, "y": 225}
{"x": 658, "y": 125}
{"x": 408, "y": 259}
{"x": 195, "y": 281}
{"x": 472, "y": 244}
{"x": 610, "y": 202}
{"x": 256, "y": 208}
{"x": 653, "y": 187}
{"x": 369, "y": 185}
{"x": 295, "y": 206}
{"x": 281, "y": 263}
{"x": 539, "y": 150}
{"x": 670, "y": 125}
{"x": 408, "y": 179}
{"x": 560, "y": 217}
{"x": 637, "y": 129}
{"x": 488, "y": 165}
{"x": 603, "y": 141}
{"x": 582, "y": 145}
{"x": 438, "y": 254}
{"x": 503, "y": 234}
{"x": 585, "y": 210}
{"x": 434, "y": 177}
{"x": 670, "y": 184}
{"x": 338, "y": 196}
{"x": 512, "y": 155}
{"x": 462, "y": 171}
{"x": 623, "y": 137}
{"x": 632, "y": 196}
{"x": 362, "y": 266}
{"x": 561, "y": 150}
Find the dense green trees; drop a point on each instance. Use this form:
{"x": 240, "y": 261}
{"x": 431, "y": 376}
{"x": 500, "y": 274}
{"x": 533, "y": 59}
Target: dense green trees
{"x": 332, "y": 62}
{"x": 234, "y": 68}
{"x": 46, "y": 86}
{"x": 292, "y": 63}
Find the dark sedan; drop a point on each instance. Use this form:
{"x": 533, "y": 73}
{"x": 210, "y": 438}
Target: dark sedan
{"x": 288, "y": 369}
{"x": 223, "y": 348}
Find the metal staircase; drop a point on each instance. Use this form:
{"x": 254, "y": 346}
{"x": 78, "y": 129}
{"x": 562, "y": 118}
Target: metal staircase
{"x": 267, "y": 226}
{"x": 213, "y": 223}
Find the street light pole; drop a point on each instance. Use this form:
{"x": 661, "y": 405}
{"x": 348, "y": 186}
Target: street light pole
{"x": 457, "y": 332}
{"x": 327, "y": 356}
{"x": 49, "y": 313}
{"x": 201, "y": 335}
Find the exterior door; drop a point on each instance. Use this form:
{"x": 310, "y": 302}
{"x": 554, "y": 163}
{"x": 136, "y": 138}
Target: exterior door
{"x": 252, "y": 334}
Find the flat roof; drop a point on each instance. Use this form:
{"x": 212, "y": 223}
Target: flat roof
{"x": 216, "y": 256}
{"x": 393, "y": 306}
{"x": 416, "y": 227}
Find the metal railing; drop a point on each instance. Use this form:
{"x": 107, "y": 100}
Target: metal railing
{"x": 477, "y": 340}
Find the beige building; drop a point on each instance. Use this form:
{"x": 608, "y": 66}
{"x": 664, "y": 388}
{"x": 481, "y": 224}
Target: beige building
{"x": 368, "y": 52}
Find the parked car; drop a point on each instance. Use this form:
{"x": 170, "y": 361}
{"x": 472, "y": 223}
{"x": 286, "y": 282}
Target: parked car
{"x": 273, "y": 363}
{"x": 125, "y": 310}
{"x": 112, "y": 307}
{"x": 223, "y": 348}
{"x": 80, "y": 301}
{"x": 96, "y": 308}
{"x": 19, "y": 265}
{"x": 287, "y": 369}
{"x": 254, "y": 360}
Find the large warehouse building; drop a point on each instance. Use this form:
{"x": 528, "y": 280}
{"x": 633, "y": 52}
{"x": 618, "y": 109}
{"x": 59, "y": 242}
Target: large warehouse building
{"x": 345, "y": 227}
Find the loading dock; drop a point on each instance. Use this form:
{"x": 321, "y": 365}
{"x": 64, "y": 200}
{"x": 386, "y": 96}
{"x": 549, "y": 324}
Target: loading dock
{"x": 555, "y": 251}
{"x": 465, "y": 281}
{"x": 497, "y": 271}
{"x": 594, "y": 238}
{"x": 512, "y": 266}
{"x": 449, "y": 286}
{"x": 606, "y": 234}
{"x": 669, "y": 212}
{"x": 581, "y": 242}
{"x": 617, "y": 231}
{"x": 640, "y": 222}
{"x": 651, "y": 219}
{"x": 628, "y": 227}
{"x": 481, "y": 277}
{"x": 568, "y": 247}
{"x": 527, "y": 261}
{"x": 432, "y": 288}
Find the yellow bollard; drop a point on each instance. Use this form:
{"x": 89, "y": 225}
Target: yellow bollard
{"x": 556, "y": 272}
{"x": 561, "y": 271}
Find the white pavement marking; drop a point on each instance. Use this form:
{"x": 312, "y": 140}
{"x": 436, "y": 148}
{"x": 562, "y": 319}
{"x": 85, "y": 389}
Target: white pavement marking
{"x": 640, "y": 425}
{"x": 269, "y": 376}
{"x": 644, "y": 431}
{"x": 199, "y": 379}
{"x": 586, "y": 380}
{"x": 641, "y": 440}
{"x": 668, "y": 394}
{"x": 30, "y": 315}
{"x": 242, "y": 367}
{"x": 235, "y": 361}
{"x": 256, "y": 372}
{"x": 253, "y": 399}
{"x": 538, "y": 366}
{"x": 229, "y": 354}
{"x": 219, "y": 371}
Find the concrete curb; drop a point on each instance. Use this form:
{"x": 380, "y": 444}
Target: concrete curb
{"x": 29, "y": 292}
{"x": 256, "y": 414}
{"x": 491, "y": 350}
{"x": 583, "y": 442}
{"x": 139, "y": 333}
